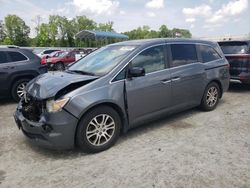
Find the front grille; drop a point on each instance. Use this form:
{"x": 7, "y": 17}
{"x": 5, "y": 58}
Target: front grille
{"x": 32, "y": 108}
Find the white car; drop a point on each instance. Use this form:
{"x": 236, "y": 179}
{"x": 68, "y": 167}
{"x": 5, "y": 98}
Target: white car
{"x": 46, "y": 52}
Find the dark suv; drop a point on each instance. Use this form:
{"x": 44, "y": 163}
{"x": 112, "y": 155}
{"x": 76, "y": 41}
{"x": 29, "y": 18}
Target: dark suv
{"x": 17, "y": 68}
{"x": 238, "y": 56}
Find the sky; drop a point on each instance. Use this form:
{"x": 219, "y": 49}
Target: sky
{"x": 204, "y": 18}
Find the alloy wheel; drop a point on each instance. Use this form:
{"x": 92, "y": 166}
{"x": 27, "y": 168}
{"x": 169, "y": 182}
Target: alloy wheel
{"x": 212, "y": 96}
{"x": 100, "y": 129}
{"x": 21, "y": 89}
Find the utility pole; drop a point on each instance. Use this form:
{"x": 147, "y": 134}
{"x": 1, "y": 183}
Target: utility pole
{"x": 37, "y": 20}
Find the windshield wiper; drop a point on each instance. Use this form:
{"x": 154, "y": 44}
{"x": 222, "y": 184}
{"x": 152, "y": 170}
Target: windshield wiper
{"x": 82, "y": 72}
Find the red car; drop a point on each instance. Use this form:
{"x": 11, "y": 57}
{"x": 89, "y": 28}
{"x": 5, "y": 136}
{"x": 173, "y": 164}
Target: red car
{"x": 59, "y": 62}
{"x": 53, "y": 54}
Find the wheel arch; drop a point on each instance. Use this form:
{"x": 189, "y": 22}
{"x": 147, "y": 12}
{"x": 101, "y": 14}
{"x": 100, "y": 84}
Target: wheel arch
{"x": 219, "y": 84}
{"x": 18, "y": 77}
{"x": 117, "y": 108}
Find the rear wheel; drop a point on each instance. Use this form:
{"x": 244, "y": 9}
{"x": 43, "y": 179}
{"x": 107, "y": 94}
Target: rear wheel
{"x": 211, "y": 97}
{"x": 98, "y": 130}
{"x": 18, "y": 89}
{"x": 59, "y": 66}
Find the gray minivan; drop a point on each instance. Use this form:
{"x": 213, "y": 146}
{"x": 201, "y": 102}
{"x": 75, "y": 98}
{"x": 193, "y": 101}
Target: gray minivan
{"x": 118, "y": 87}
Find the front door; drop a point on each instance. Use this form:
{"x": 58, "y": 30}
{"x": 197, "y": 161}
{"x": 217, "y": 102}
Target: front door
{"x": 151, "y": 93}
{"x": 6, "y": 69}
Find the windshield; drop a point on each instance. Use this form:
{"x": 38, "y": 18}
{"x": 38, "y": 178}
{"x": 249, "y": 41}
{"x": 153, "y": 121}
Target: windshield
{"x": 55, "y": 54}
{"x": 234, "y": 47}
{"x": 103, "y": 60}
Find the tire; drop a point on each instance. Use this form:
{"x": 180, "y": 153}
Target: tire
{"x": 210, "y": 101}
{"x": 17, "y": 88}
{"x": 102, "y": 138}
{"x": 59, "y": 66}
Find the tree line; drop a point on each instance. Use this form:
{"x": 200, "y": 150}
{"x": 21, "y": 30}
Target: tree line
{"x": 60, "y": 31}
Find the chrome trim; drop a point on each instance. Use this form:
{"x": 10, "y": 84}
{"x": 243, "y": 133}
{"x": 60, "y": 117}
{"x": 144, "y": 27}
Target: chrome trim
{"x": 27, "y": 59}
{"x": 236, "y": 55}
{"x": 197, "y": 43}
{"x": 186, "y": 65}
{"x": 166, "y": 82}
{"x": 175, "y": 79}
{"x": 166, "y": 43}
{"x": 235, "y": 81}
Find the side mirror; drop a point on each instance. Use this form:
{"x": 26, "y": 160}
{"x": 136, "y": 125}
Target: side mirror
{"x": 136, "y": 72}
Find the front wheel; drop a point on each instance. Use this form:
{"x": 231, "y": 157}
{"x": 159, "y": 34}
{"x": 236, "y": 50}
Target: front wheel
{"x": 59, "y": 66}
{"x": 98, "y": 130}
{"x": 18, "y": 89}
{"x": 211, "y": 97}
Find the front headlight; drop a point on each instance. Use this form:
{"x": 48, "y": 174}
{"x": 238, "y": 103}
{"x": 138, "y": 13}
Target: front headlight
{"x": 55, "y": 106}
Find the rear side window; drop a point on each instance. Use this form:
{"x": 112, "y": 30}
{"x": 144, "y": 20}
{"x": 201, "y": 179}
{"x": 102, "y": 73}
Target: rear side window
{"x": 3, "y": 58}
{"x": 72, "y": 54}
{"x": 16, "y": 56}
{"x": 183, "y": 54}
{"x": 234, "y": 47}
{"x": 48, "y": 51}
{"x": 208, "y": 54}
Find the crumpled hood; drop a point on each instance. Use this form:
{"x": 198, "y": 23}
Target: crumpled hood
{"x": 47, "y": 85}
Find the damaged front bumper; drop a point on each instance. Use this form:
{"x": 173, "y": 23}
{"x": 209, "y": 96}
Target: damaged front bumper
{"x": 53, "y": 130}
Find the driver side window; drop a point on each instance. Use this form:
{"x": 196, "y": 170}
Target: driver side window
{"x": 151, "y": 59}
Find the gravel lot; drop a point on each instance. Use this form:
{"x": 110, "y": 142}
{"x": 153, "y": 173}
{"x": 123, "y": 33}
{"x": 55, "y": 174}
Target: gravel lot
{"x": 190, "y": 149}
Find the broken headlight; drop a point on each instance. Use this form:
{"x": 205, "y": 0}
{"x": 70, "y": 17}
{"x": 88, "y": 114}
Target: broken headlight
{"x": 56, "y": 105}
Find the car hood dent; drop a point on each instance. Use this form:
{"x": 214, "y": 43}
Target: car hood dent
{"x": 48, "y": 85}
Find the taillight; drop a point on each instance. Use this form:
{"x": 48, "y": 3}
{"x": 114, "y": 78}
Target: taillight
{"x": 231, "y": 57}
{"x": 43, "y": 61}
{"x": 243, "y": 77}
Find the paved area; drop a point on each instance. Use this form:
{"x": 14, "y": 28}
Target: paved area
{"x": 190, "y": 149}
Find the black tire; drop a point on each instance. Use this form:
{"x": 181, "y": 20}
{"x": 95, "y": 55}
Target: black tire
{"x": 59, "y": 66}
{"x": 210, "y": 103}
{"x": 85, "y": 125}
{"x": 16, "y": 86}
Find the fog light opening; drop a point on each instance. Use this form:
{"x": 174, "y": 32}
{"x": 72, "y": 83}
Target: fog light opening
{"x": 47, "y": 128}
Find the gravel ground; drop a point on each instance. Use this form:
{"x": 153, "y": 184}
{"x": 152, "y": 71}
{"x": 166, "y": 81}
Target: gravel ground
{"x": 190, "y": 149}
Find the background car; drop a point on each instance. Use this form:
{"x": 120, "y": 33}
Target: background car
{"x": 238, "y": 56}
{"x": 46, "y": 52}
{"x": 17, "y": 68}
{"x": 53, "y": 54}
{"x": 62, "y": 60}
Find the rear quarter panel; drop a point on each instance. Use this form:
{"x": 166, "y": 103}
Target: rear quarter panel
{"x": 218, "y": 71}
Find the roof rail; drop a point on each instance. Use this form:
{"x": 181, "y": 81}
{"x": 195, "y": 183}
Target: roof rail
{"x": 9, "y": 46}
{"x": 228, "y": 37}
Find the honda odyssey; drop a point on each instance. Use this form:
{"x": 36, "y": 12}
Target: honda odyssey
{"x": 118, "y": 87}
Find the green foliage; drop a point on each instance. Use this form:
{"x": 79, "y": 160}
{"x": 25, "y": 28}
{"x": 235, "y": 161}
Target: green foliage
{"x": 145, "y": 32}
{"x": 60, "y": 31}
{"x": 2, "y": 33}
{"x": 181, "y": 32}
{"x": 16, "y": 31}
{"x": 43, "y": 36}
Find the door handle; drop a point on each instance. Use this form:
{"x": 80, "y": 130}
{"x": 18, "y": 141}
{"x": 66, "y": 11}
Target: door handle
{"x": 165, "y": 81}
{"x": 9, "y": 67}
{"x": 176, "y": 79}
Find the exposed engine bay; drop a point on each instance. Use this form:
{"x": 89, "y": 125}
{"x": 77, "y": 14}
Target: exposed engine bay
{"x": 33, "y": 108}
